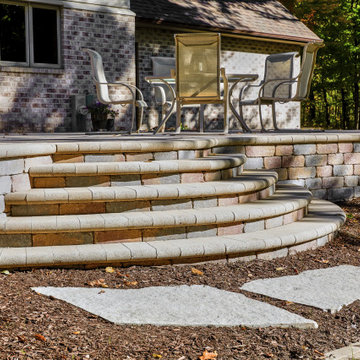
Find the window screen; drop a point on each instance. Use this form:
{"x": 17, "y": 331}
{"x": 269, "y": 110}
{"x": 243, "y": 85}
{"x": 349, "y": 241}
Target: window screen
{"x": 45, "y": 36}
{"x": 12, "y": 33}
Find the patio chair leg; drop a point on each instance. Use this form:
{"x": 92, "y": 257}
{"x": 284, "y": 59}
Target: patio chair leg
{"x": 274, "y": 116}
{"x": 201, "y": 118}
{"x": 261, "y": 119}
{"x": 163, "y": 114}
{"x": 178, "y": 117}
{"x": 226, "y": 120}
{"x": 133, "y": 112}
{"x": 241, "y": 112}
{"x": 140, "y": 119}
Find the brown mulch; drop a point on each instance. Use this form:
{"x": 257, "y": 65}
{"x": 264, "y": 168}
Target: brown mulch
{"x": 33, "y": 326}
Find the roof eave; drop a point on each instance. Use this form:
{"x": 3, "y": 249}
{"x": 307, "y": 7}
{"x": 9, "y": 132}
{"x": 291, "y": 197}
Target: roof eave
{"x": 224, "y": 31}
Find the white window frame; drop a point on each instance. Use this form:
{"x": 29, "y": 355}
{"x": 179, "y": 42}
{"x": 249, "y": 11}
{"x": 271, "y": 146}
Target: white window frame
{"x": 29, "y": 36}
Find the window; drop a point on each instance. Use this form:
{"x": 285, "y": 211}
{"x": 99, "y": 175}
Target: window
{"x": 29, "y": 35}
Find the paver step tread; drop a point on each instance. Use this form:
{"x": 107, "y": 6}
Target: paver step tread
{"x": 285, "y": 200}
{"x": 323, "y": 219}
{"x": 212, "y": 163}
{"x": 248, "y": 181}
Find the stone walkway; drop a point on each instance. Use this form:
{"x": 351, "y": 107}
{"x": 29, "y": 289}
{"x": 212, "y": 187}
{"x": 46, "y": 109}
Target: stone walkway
{"x": 195, "y": 305}
{"x": 198, "y": 305}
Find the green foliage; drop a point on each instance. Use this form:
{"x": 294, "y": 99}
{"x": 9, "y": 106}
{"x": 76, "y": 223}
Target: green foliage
{"x": 334, "y": 100}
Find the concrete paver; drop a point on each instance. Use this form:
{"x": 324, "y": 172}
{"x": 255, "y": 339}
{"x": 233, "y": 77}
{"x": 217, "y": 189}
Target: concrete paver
{"x": 184, "y": 305}
{"x": 328, "y": 289}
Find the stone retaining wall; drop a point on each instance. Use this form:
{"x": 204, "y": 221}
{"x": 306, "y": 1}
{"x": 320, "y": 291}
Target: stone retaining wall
{"x": 330, "y": 169}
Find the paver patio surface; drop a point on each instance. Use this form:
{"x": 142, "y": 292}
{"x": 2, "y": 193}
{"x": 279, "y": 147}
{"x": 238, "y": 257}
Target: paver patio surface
{"x": 328, "y": 289}
{"x": 195, "y": 305}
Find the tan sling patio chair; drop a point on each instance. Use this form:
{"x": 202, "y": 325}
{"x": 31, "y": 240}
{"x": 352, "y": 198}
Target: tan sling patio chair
{"x": 103, "y": 88}
{"x": 165, "y": 67}
{"x": 198, "y": 73}
{"x": 278, "y": 82}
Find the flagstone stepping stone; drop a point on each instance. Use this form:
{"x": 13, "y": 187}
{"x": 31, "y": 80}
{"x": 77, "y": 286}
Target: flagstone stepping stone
{"x": 328, "y": 289}
{"x": 350, "y": 352}
{"x": 184, "y": 305}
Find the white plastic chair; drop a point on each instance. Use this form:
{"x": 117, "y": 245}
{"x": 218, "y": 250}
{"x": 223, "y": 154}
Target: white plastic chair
{"x": 279, "y": 79}
{"x": 103, "y": 86}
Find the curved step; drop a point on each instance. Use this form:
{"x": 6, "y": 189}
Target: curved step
{"x": 212, "y": 163}
{"x": 251, "y": 185}
{"x": 136, "y": 172}
{"x": 314, "y": 230}
{"x": 171, "y": 224}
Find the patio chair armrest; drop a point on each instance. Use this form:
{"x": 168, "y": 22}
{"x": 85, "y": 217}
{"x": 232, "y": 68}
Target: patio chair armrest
{"x": 246, "y": 87}
{"x": 290, "y": 82}
{"x": 279, "y": 81}
{"x": 132, "y": 88}
{"x": 160, "y": 86}
{"x": 160, "y": 95}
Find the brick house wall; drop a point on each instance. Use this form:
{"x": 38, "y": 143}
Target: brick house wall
{"x": 33, "y": 99}
{"x": 237, "y": 56}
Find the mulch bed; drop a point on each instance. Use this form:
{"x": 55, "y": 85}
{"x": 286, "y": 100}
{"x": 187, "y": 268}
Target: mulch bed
{"x": 33, "y": 326}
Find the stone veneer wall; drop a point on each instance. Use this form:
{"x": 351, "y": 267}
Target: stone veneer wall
{"x": 330, "y": 170}
{"x": 38, "y": 99}
{"x": 238, "y": 56}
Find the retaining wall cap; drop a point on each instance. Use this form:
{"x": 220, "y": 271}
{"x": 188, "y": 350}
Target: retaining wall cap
{"x": 26, "y": 150}
{"x": 137, "y": 145}
{"x": 228, "y": 245}
{"x": 288, "y": 139}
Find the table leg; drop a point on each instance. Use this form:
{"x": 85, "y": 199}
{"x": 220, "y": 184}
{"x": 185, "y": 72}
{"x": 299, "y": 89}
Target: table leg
{"x": 233, "y": 110}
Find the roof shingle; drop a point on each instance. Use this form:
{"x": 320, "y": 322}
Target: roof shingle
{"x": 264, "y": 18}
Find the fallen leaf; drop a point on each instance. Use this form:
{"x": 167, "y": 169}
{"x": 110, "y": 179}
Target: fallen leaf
{"x": 288, "y": 303}
{"x": 208, "y": 355}
{"x": 318, "y": 352}
{"x": 99, "y": 282}
{"x": 21, "y": 338}
{"x": 109, "y": 269}
{"x": 280, "y": 268}
{"x": 5, "y": 272}
{"x": 196, "y": 272}
{"x": 118, "y": 273}
{"x": 157, "y": 356}
{"x": 40, "y": 337}
{"x": 130, "y": 283}
{"x": 76, "y": 332}
{"x": 322, "y": 261}
{"x": 270, "y": 355}
{"x": 101, "y": 292}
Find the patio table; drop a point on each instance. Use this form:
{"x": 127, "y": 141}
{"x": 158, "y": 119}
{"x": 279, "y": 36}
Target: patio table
{"x": 169, "y": 82}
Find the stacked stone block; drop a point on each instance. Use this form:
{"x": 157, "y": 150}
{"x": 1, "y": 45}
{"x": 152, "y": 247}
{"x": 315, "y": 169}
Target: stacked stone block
{"x": 330, "y": 170}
